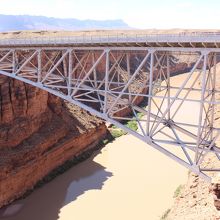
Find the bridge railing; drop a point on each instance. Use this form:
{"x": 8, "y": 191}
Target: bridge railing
{"x": 118, "y": 38}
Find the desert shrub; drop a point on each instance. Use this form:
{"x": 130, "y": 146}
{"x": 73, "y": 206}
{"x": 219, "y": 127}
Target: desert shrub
{"x": 165, "y": 214}
{"x": 117, "y": 132}
{"x": 132, "y": 125}
{"x": 140, "y": 115}
{"x": 178, "y": 191}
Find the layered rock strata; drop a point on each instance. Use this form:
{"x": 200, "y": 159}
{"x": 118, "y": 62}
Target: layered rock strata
{"x": 199, "y": 200}
{"x": 38, "y": 132}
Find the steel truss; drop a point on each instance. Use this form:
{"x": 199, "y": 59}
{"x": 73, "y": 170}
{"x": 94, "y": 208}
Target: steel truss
{"x": 111, "y": 82}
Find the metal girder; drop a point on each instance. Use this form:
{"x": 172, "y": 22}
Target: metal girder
{"x": 111, "y": 83}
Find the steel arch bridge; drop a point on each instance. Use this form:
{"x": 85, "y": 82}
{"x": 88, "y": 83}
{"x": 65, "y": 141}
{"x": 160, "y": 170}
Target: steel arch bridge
{"x": 110, "y": 75}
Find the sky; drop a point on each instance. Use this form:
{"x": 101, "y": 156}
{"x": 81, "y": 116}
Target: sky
{"x": 136, "y": 13}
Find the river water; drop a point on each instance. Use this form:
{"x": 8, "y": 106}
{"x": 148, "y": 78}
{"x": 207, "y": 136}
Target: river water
{"x": 125, "y": 180}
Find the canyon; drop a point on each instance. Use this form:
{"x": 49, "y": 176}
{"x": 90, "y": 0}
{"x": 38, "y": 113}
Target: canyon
{"x": 39, "y": 132}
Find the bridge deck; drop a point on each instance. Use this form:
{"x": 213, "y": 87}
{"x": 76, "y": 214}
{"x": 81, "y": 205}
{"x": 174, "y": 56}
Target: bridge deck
{"x": 183, "y": 40}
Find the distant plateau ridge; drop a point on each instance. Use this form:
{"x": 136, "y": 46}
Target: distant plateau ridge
{"x": 27, "y": 22}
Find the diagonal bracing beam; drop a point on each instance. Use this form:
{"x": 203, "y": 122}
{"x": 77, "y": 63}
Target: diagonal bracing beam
{"x": 114, "y": 94}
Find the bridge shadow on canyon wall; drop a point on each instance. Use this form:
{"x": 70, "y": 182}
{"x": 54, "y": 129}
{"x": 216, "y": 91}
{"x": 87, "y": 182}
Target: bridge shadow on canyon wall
{"x": 46, "y": 202}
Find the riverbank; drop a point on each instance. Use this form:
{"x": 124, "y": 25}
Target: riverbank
{"x": 127, "y": 179}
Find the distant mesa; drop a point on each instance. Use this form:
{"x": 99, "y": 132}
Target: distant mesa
{"x": 27, "y": 22}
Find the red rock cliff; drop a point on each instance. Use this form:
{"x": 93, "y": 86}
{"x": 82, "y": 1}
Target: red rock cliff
{"x": 38, "y": 132}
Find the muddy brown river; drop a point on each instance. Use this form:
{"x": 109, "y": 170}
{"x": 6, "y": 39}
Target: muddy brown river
{"x": 126, "y": 180}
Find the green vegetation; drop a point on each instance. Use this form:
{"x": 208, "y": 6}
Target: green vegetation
{"x": 114, "y": 127}
{"x": 117, "y": 132}
{"x": 178, "y": 191}
{"x": 132, "y": 125}
{"x": 105, "y": 141}
{"x": 140, "y": 115}
{"x": 165, "y": 214}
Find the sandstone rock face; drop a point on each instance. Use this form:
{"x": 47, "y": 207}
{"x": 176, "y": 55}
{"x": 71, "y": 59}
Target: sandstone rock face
{"x": 200, "y": 200}
{"x": 194, "y": 202}
{"x": 215, "y": 189}
{"x": 38, "y": 132}
{"x": 23, "y": 111}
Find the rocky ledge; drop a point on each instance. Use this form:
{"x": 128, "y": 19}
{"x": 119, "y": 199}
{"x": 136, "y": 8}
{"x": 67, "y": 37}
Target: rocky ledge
{"x": 38, "y": 132}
